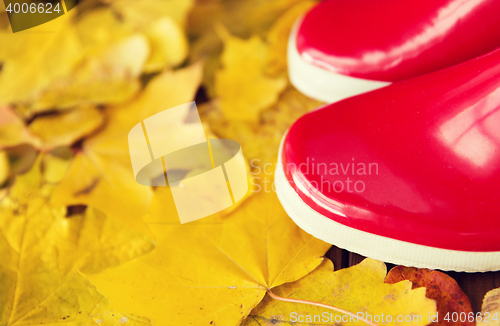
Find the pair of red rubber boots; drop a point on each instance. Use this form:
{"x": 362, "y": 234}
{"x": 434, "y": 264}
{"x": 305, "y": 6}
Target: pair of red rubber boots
{"x": 408, "y": 173}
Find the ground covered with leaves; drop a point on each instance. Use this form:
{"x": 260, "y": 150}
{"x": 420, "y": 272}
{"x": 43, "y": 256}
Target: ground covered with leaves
{"x": 82, "y": 243}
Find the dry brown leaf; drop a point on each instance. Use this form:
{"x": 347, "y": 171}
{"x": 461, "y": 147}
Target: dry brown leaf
{"x": 449, "y": 297}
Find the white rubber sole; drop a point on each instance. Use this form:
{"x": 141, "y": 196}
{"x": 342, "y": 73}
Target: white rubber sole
{"x": 375, "y": 246}
{"x": 322, "y": 84}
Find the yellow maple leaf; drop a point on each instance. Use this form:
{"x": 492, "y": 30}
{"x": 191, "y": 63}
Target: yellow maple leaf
{"x": 21, "y": 158}
{"x": 39, "y": 247}
{"x": 48, "y": 131}
{"x": 4, "y": 19}
{"x": 13, "y": 130}
{"x": 242, "y": 86}
{"x": 66, "y": 127}
{"x": 55, "y": 163}
{"x": 33, "y": 59}
{"x": 359, "y": 289}
{"x": 242, "y": 17}
{"x": 113, "y": 55}
{"x": 111, "y": 76}
{"x": 278, "y": 35}
{"x": 93, "y": 59}
{"x": 103, "y": 242}
{"x": 162, "y": 22}
{"x": 140, "y": 13}
{"x": 101, "y": 173}
{"x": 490, "y": 309}
{"x": 4, "y": 168}
{"x": 260, "y": 140}
{"x": 208, "y": 49}
{"x": 211, "y": 271}
{"x": 165, "y": 36}
{"x": 168, "y": 44}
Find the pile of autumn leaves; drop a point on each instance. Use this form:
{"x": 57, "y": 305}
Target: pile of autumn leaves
{"x": 83, "y": 244}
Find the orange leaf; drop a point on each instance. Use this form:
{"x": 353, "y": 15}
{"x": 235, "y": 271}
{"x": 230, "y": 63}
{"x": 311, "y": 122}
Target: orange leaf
{"x": 440, "y": 287}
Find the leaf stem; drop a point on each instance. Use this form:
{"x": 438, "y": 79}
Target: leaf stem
{"x": 322, "y": 305}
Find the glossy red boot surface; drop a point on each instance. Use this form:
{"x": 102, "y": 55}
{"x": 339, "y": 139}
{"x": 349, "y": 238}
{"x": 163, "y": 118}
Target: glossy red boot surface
{"x": 417, "y": 162}
{"x": 392, "y": 40}
{"x": 388, "y": 40}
